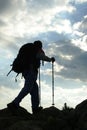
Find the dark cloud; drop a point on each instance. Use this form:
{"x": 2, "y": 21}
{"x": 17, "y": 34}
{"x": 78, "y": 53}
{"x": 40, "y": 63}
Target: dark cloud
{"x": 78, "y": 13}
{"x": 83, "y": 26}
{"x": 68, "y": 49}
{"x": 74, "y": 68}
{"x": 4, "y": 5}
{"x": 11, "y": 7}
{"x": 7, "y": 7}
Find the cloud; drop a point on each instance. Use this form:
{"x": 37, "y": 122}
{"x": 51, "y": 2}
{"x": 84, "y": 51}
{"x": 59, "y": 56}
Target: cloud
{"x": 70, "y": 58}
{"x": 83, "y": 25}
{"x": 9, "y": 8}
{"x": 78, "y": 13}
{"x": 21, "y": 19}
{"x": 72, "y": 98}
{"x": 80, "y": 1}
{"x": 79, "y": 35}
{"x": 74, "y": 68}
{"x": 7, "y": 95}
{"x": 45, "y": 5}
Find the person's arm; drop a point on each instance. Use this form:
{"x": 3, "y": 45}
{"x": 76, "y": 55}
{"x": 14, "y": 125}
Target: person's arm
{"x": 41, "y": 55}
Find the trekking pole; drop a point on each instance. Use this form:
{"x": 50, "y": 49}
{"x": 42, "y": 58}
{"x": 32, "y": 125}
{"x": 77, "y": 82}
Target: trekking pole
{"x": 39, "y": 88}
{"x": 53, "y": 84}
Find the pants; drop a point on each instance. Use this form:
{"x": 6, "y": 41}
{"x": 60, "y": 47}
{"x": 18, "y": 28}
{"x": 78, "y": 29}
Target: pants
{"x": 30, "y": 86}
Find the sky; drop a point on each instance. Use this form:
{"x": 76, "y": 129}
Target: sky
{"x": 61, "y": 25}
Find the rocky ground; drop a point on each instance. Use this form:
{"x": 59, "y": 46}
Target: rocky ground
{"x": 48, "y": 119}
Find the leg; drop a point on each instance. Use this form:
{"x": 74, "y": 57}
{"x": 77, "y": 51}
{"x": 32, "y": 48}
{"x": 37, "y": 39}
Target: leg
{"x": 35, "y": 99}
{"x": 35, "y": 96}
{"x": 30, "y": 78}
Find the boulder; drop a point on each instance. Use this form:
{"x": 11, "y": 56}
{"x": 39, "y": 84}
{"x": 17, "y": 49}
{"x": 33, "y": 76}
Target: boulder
{"x": 50, "y": 118}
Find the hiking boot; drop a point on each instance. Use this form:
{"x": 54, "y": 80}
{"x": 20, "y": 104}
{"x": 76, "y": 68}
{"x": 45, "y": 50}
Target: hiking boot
{"x": 37, "y": 110}
{"x": 12, "y": 107}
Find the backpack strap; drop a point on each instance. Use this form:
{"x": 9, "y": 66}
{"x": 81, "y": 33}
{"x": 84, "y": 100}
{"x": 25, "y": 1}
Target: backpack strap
{"x": 16, "y": 77}
{"x": 9, "y": 72}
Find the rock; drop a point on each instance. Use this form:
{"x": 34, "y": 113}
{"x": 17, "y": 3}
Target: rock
{"x": 48, "y": 119}
{"x": 25, "y": 125}
{"x": 82, "y": 107}
{"x": 81, "y": 115}
{"x": 7, "y": 118}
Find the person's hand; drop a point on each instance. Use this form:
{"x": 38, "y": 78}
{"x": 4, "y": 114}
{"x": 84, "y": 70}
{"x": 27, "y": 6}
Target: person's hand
{"x": 52, "y": 59}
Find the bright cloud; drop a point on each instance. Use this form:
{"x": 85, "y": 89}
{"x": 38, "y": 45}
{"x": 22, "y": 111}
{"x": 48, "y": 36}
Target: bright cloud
{"x": 72, "y": 98}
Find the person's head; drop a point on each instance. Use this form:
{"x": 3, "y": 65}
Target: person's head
{"x": 38, "y": 44}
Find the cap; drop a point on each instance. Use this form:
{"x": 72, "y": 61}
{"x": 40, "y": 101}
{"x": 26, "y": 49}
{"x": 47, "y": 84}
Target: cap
{"x": 38, "y": 44}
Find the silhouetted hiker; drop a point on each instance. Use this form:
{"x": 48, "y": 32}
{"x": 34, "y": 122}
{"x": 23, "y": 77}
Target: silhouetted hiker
{"x": 30, "y": 75}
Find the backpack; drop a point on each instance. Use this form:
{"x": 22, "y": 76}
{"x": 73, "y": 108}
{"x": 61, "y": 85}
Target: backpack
{"x": 26, "y": 57}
